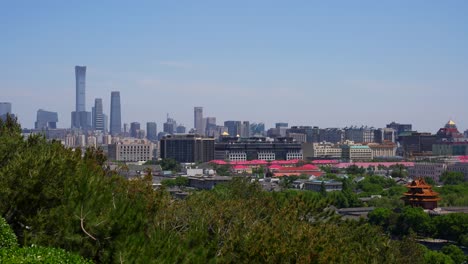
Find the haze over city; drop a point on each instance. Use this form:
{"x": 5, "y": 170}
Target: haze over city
{"x": 330, "y": 65}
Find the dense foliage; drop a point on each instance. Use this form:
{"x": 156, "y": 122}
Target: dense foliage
{"x": 56, "y": 197}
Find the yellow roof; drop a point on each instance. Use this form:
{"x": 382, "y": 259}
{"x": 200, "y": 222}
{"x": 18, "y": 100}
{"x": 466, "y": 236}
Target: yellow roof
{"x": 225, "y": 133}
{"x": 450, "y": 122}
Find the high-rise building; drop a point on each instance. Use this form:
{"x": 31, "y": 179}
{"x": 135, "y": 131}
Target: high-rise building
{"x": 106, "y": 123}
{"x": 134, "y": 129}
{"x": 151, "y": 131}
{"x": 180, "y": 129}
{"x": 234, "y": 128}
{"x": 80, "y": 77}
{"x": 115, "y": 114}
{"x": 187, "y": 148}
{"x": 257, "y": 129}
{"x": 170, "y": 126}
{"x": 279, "y": 125}
{"x": 80, "y": 118}
{"x": 245, "y": 129}
{"x": 98, "y": 116}
{"x": 5, "y": 108}
{"x": 198, "y": 120}
{"x": 400, "y": 128}
{"x": 46, "y": 119}
{"x": 210, "y": 125}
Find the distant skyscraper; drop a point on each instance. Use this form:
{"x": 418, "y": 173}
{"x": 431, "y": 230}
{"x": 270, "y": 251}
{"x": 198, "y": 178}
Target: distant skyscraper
{"x": 279, "y": 125}
{"x": 234, "y": 128}
{"x": 5, "y": 108}
{"x": 245, "y": 129}
{"x": 198, "y": 120}
{"x": 98, "y": 117}
{"x": 170, "y": 126}
{"x": 80, "y": 118}
{"x": 134, "y": 129}
{"x": 181, "y": 129}
{"x": 46, "y": 119}
{"x": 80, "y": 77}
{"x": 151, "y": 131}
{"x": 115, "y": 114}
{"x": 106, "y": 123}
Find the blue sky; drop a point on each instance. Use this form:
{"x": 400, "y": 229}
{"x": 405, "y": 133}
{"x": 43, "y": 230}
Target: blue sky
{"x": 328, "y": 63}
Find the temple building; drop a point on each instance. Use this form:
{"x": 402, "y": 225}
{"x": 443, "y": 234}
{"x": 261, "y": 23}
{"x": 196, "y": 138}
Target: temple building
{"x": 420, "y": 194}
{"x": 449, "y": 132}
{"x": 450, "y": 142}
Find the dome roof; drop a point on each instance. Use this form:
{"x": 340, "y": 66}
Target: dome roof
{"x": 225, "y": 133}
{"x": 451, "y": 124}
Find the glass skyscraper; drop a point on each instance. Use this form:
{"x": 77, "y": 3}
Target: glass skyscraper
{"x": 46, "y": 119}
{"x": 80, "y": 118}
{"x": 80, "y": 77}
{"x": 98, "y": 115}
{"x": 115, "y": 114}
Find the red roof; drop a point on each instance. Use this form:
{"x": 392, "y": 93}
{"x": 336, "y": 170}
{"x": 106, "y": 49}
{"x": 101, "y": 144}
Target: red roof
{"x": 275, "y": 167}
{"x": 219, "y": 162}
{"x": 240, "y": 167}
{"x": 307, "y": 167}
{"x": 325, "y": 162}
{"x": 375, "y": 164}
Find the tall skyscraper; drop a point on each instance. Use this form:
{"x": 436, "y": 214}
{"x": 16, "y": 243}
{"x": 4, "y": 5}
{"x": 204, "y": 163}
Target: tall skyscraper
{"x": 80, "y": 118}
{"x": 115, "y": 114}
{"x": 5, "y": 108}
{"x": 151, "y": 131}
{"x": 198, "y": 120}
{"x": 134, "y": 129}
{"x": 80, "y": 77}
{"x": 170, "y": 126}
{"x": 234, "y": 128}
{"x": 98, "y": 116}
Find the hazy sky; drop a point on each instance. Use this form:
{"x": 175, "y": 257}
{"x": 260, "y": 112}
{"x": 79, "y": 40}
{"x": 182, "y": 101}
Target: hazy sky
{"x": 327, "y": 63}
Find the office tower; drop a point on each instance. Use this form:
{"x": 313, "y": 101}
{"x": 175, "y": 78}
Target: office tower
{"x": 180, "y": 129}
{"x": 126, "y": 130}
{"x": 188, "y": 148}
{"x": 257, "y": 129}
{"x": 80, "y": 118}
{"x": 5, "y": 108}
{"x": 245, "y": 129}
{"x": 210, "y": 126}
{"x": 46, "y": 119}
{"x": 98, "y": 116}
{"x": 115, "y": 114}
{"x": 170, "y": 126}
{"x": 151, "y": 131}
{"x": 234, "y": 128}
{"x": 280, "y": 125}
{"x": 134, "y": 129}
{"x": 106, "y": 123}
{"x": 198, "y": 120}
{"x": 80, "y": 77}
{"x": 400, "y": 128}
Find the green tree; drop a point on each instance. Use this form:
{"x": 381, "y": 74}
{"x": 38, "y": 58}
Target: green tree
{"x": 455, "y": 253}
{"x": 452, "y": 177}
{"x": 435, "y": 257}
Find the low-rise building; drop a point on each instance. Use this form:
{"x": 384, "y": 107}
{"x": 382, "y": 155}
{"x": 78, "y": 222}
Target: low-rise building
{"x": 131, "y": 150}
{"x": 356, "y": 153}
{"x": 385, "y": 150}
{"x": 317, "y": 185}
{"x": 431, "y": 170}
{"x": 322, "y": 150}
{"x": 208, "y": 183}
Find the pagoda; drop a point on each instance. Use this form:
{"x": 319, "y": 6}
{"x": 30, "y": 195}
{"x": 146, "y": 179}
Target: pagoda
{"x": 420, "y": 194}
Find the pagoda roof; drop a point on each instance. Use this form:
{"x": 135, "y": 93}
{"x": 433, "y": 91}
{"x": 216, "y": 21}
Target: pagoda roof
{"x": 419, "y": 183}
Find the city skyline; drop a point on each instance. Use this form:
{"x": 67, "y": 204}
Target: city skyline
{"x": 367, "y": 64}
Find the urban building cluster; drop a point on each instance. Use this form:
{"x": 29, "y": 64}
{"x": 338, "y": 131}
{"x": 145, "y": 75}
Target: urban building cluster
{"x": 237, "y": 140}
